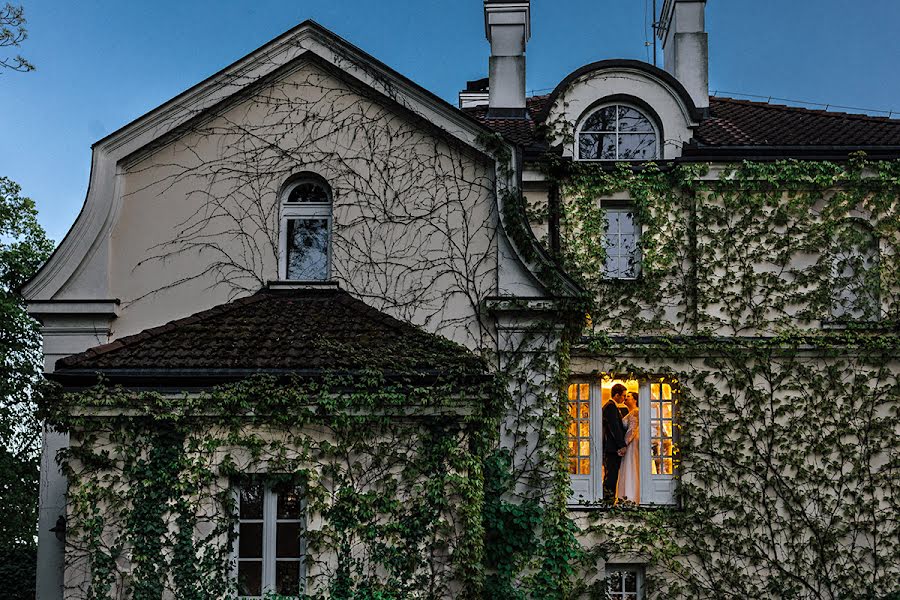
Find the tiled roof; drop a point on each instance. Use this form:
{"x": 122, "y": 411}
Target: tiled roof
{"x": 518, "y": 131}
{"x": 743, "y": 123}
{"x": 302, "y": 330}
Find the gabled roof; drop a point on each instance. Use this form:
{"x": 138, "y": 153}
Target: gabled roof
{"x": 307, "y": 41}
{"x": 745, "y": 128}
{"x": 301, "y": 331}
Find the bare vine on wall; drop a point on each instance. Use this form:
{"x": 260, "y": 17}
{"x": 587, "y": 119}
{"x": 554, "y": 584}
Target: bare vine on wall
{"x": 414, "y": 217}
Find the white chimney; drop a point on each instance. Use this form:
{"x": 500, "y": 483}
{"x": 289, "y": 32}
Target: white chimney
{"x": 507, "y": 24}
{"x": 682, "y": 29}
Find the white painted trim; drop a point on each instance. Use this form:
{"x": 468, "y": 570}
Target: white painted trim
{"x": 650, "y": 484}
{"x": 576, "y": 152}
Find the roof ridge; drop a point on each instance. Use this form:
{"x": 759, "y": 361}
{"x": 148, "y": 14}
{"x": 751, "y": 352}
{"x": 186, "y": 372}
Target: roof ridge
{"x": 803, "y": 109}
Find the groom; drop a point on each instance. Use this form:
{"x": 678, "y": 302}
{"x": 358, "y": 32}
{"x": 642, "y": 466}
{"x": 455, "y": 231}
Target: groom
{"x": 613, "y": 441}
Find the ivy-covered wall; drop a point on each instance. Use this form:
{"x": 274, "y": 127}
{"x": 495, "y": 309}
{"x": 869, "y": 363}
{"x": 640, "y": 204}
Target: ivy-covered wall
{"x": 788, "y": 440}
{"x": 733, "y": 250}
{"x": 392, "y": 478}
{"x": 789, "y": 417}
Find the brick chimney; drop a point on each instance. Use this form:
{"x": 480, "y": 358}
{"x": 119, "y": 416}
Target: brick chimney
{"x": 508, "y": 27}
{"x": 682, "y": 29}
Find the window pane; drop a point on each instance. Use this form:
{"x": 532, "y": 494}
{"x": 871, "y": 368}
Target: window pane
{"x": 584, "y": 466}
{"x": 309, "y": 192}
{"x": 251, "y": 502}
{"x": 597, "y": 146}
{"x": 287, "y": 540}
{"x": 621, "y": 244}
{"x": 307, "y": 249}
{"x": 287, "y": 578}
{"x": 289, "y": 503}
{"x": 602, "y": 120}
{"x": 250, "y": 539}
{"x": 637, "y": 146}
{"x": 249, "y": 578}
{"x": 614, "y": 581}
{"x": 630, "y": 581}
{"x": 631, "y": 120}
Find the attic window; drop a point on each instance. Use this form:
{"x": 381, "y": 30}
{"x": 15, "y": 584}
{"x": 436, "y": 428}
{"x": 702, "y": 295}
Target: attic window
{"x": 306, "y": 223}
{"x": 617, "y": 132}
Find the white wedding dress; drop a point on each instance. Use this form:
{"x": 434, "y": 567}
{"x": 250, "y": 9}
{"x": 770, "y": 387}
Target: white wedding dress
{"x": 629, "y": 484}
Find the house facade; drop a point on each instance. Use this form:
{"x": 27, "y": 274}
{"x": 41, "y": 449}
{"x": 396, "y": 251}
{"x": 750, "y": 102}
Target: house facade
{"x": 317, "y": 331}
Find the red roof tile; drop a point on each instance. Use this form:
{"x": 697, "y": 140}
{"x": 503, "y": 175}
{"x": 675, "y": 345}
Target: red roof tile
{"x": 733, "y": 122}
{"x": 744, "y": 123}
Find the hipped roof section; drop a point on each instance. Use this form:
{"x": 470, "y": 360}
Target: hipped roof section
{"x": 307, "y": 332}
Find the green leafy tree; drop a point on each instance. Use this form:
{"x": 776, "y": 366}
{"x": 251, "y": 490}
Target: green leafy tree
{"x": 23, "y": 248}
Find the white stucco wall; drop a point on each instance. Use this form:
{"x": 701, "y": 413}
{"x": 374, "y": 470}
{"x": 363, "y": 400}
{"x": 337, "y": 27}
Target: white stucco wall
{"x": 414, "y": 214}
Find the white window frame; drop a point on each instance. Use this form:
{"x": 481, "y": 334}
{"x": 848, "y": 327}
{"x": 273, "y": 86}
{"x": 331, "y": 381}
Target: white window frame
{"x": 638, "y": 570}
{"x": 304, "y": 212}
{"x": 269, "y": 521}
{"x": 657, "y": 155}
{"x": 656, "y": 489}
{"x": 621, "y": 207}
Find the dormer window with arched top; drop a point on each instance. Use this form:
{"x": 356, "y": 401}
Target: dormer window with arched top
{"x": 617, "y": 132}
{"x": 306, "y": 221}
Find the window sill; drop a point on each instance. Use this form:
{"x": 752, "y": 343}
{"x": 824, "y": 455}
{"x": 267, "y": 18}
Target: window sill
{"x": 622, "y": 507}
{"x": 303, "y": 285}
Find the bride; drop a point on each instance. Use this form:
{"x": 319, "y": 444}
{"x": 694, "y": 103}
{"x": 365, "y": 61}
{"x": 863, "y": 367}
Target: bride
{"x": 629, "y": 485}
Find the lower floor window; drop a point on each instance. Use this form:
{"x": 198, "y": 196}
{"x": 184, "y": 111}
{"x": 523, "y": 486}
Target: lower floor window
{"x": 270, "y": 545}
{"x": 622, "y": 440}
{"x": 624, "y": 582}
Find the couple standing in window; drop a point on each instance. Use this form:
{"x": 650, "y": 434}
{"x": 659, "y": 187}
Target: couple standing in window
{"x": 621, "y": 459}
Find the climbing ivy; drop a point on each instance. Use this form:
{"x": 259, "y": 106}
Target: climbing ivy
{"x": 789, "y": 413}
{"x": 790, "y": 420}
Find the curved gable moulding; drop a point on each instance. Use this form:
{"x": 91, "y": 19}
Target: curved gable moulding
{"x": 79, "y": 268}
{"x": 653, "y": 91}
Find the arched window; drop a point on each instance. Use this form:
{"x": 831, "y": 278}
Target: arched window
{"x": 617, "y": 132}
{"x": 855, "y": 281}
{"x": 306, "y": 223}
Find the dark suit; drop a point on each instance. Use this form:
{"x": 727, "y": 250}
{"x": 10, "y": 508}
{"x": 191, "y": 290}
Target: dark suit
{"x": 613, "y": 441}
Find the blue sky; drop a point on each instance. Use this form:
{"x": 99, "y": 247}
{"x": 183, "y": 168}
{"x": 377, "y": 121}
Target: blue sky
{"x": 102, "y": 63}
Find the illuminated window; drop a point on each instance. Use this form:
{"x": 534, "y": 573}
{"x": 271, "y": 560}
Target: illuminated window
{"x": 662, "y": 427}
{"x": 855, "y": 276}
{"x": 620, "y": 242}
{"x": 270, "y": 545}
{"x": 646, "y": 432}
{"x": 306, "y": 223}
{"x": 624, "y": 582}
{"x": 580, "y": 430}
{"x": 617, "y": 132}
